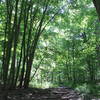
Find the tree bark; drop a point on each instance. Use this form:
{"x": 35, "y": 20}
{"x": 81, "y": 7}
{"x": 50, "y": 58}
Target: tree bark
{"x": 97, "y": 5}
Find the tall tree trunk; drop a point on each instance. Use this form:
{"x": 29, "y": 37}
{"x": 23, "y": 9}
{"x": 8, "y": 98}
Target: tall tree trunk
{"x": 97, "y": 5}
{"x": 33, "y": 49}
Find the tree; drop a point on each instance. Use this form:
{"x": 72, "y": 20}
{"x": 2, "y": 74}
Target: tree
{"x": 97, "y": 5}
{"x": 50, "y": 42}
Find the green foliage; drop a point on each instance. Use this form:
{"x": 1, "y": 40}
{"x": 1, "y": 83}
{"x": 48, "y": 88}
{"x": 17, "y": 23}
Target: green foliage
{"x": 67, "y": 51}
{"x": 83, "y": 89}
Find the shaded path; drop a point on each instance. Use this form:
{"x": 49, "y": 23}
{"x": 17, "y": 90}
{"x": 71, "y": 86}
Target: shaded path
{"x": 42, "y": 94}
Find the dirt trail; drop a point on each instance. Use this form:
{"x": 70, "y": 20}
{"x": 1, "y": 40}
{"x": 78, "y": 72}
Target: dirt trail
{"x": 60, "y": 93}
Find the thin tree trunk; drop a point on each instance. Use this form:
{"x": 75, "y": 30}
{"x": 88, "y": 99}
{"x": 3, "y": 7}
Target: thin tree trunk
{"x": 31, "y": 56}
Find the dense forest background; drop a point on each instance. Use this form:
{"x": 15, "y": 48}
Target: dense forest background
{"x": 50, "y": 43}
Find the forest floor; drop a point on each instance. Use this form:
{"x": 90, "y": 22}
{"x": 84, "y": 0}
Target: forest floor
{"x": 40, "y": 94}
{"x": 61, "y": 93}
